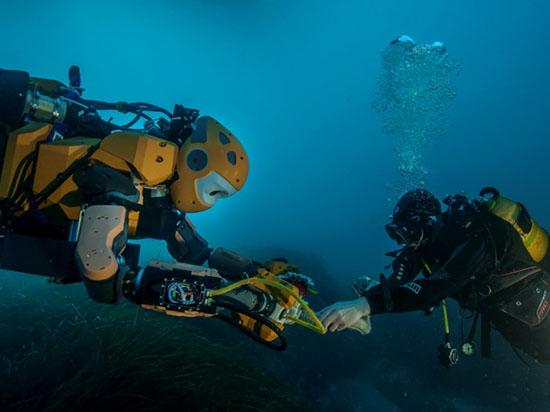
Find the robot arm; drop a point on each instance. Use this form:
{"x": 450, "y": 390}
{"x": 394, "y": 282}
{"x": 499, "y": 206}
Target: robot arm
{"x": 185, "y": 244}
{"x": 108, "y": 196}
{"x": 259, "y": 302}
{"x": 102, "y": 238}
{"x": 159, "y": 220}
{"x": 259, "y": 306}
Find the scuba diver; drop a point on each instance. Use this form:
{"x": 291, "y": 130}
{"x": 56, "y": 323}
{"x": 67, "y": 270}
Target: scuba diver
{"x": 488, "y": 254}
{"x": 74, "y": 188}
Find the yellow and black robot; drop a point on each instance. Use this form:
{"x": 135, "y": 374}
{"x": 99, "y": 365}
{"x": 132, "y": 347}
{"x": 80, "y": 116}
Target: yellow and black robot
{"x": 75, "y": 187}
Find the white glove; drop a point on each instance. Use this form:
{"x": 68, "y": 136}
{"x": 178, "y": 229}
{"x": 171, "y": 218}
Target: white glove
{"x": 353, "y": 314}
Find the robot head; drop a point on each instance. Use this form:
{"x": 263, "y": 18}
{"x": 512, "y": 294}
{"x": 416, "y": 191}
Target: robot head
{"x": 212, "y": 164}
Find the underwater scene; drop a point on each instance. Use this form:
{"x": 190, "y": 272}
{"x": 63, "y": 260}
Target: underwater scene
{"x": 270, "y": 205}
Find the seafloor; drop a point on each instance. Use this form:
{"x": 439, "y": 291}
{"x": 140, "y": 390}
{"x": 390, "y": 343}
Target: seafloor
{"x": 61, "y": 352}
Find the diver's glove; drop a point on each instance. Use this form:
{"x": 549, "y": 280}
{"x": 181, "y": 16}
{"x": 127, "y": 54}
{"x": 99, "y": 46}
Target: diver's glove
{"x": 364, "y": 284}
{"x": 353, "y": 314}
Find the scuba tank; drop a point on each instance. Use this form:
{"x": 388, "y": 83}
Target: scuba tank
{"x": 533, "y": 237}
{"x": 517, "y": 302}
{"x": 514, "y": 297}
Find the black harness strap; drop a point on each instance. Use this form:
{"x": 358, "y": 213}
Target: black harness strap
{"x": 485, "y": 332}
{"x": 388, "y": 301}
{"x": 63, "y": 176}
{"x": 472, "y": 333}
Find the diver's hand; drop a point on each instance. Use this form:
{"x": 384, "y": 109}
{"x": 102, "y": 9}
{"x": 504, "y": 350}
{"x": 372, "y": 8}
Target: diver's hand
{"x": 363, "y": 284}
{"x": 347, "y": 315}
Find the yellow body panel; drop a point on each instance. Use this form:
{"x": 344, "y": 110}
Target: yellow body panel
{"x": 153, "y": 158}
{"x": 111, "y": 160}
{"x": 133, "y": 215}
{"x": 21, "y": 142}
{"x": 54, "y": 158}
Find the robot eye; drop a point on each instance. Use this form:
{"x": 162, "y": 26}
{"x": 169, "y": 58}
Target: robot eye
{"x": 223, "y": 138}
{"x": 197, "y": 160}
{"x": 232, "y": 158}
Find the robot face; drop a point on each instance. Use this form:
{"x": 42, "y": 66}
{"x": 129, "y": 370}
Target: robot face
{"x": 212, "y": 165}
{"x": 213, "y": 187}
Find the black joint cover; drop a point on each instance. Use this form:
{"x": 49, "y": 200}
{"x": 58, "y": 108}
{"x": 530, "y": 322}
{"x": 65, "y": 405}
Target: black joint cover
{"x": 13, "y": 94}
{"x": 231, "y": 265}
{"x": 97, "y": 180}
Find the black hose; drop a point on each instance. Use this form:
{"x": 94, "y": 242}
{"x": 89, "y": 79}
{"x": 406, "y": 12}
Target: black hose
{"x": 152, "y": 108}
{"x": 123, "y": 106}
{"x": 63, "y": 176}
{"x": 239, "y": 309}
{"x": 17, "y": 186}
{"x": 17, "y": 174}
{"x": 131, "y": 122}
{"x": 137, "y": 108}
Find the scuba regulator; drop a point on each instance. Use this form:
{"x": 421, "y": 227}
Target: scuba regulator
{"x": 448, "y": 356}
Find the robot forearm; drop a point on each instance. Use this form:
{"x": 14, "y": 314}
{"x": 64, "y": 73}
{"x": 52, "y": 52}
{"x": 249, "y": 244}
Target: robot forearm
{"x": 186, "y": 245}
{"x": 176, "y": 289}
{"x": 181, "y": 289}
{"x": 103, "y": 236}
{"x": 259, "y": 306}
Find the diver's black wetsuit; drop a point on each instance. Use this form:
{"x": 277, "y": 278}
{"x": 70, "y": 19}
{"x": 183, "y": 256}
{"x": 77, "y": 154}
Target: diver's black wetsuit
{"x": 479, "y": 259}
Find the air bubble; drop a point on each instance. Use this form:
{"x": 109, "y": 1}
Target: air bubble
{"x": 414, "y": 94}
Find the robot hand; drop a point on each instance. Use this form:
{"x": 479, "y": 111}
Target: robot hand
{"x": 259, "y": 306}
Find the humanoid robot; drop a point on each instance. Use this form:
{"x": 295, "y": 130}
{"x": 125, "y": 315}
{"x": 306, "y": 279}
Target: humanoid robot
{"x": 75, "y": 187}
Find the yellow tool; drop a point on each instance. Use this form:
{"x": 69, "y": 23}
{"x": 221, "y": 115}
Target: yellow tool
{"x": 288, "y": 306}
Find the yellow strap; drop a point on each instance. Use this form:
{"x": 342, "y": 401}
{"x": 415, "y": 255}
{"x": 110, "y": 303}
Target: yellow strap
{"x": 230, "y": 288}
{"x": 428, "y": 268}
{"x": 443, "y": 304}
{"x": 445, "y": 317}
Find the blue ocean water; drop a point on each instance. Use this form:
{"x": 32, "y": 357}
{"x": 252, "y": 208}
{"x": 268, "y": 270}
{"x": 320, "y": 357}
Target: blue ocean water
{"x": 295, "y": 80}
